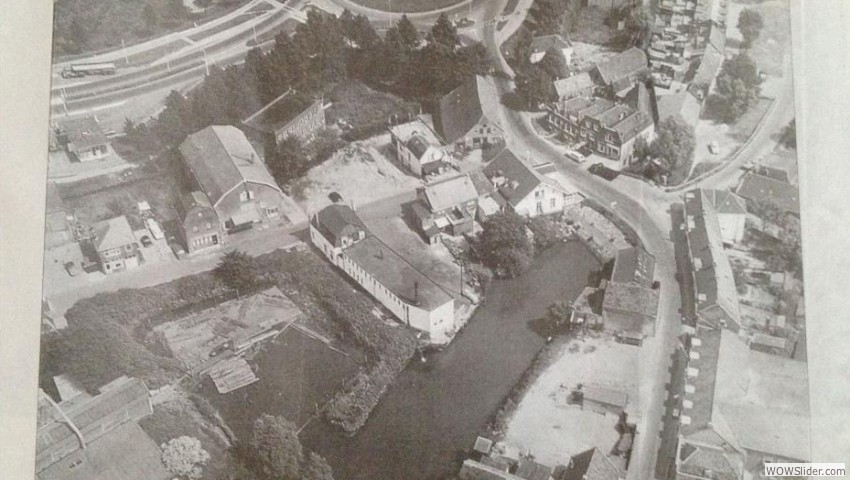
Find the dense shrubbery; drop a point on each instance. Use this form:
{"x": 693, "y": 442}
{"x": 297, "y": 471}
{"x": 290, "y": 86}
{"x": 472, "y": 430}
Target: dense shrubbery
{"x": 546, "y": 230}
{"x": 737, "y": 89}
{"x": 98, "y": 350}
{"x": 389, "y": 348}
{"x": 505, "y": 245}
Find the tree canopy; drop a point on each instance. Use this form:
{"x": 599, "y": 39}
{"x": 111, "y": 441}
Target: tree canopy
{"x": 237, "y": 270}
{"x": 277, "y": 447}
{"x": 750, "y": 23}
{"x": 185, "y": 457}
{"x": 549, "y": 15}
{"x": 505, "y": 246}
{"x": 674, "y": 143}
{"x": 738, "y": 87}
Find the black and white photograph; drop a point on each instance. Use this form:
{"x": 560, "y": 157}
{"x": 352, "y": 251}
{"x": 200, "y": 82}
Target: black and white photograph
{"x": 425, "y": 240}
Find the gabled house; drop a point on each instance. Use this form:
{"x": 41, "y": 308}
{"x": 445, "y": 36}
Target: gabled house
{"x": 413, "y": 298}
{"x": 635, "y": 266}
{"x": 716, "y": 293}
{"x": 199, "y": 223}
{"x": 622, "y": 70}
{"x": 227, "y": 169}
{"x": 468, "y": 116}
{"x": 525, "y": 190}
{"x": 629, "y": 309}
{"x": 731, "y": 214}
{"x": 419, "y": 149}
{"x": 543, "y": 44}
{"x": 289, "y": 115}
{"x": 591, "y": 464}
{"x": 97, "y": 437}
{"x": 447, "y": 207}
{"x": 83, "y": 139}
{"x": 115, "y": 244}
{"x": 609, "y": 129}
{"x": 763, "y": 189}
{"x": 578, "y": 85}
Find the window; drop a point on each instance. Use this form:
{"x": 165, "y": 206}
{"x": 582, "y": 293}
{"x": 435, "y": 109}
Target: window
{"x": 243, "y": 197}
{"x": 552, "y": 202}
{"x": 209, "y": 225}
{"x": 195, "y": 228}
{"x": 250, "y": 194}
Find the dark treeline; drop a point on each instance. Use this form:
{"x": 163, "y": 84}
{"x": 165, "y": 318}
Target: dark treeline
{"x": 322, "y": 53}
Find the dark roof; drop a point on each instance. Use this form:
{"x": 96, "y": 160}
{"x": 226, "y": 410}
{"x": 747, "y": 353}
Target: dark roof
{"x": 591, "y": 465}
{"x": 84, "y": 133}
{"x": 472, "y": 470}
{"x": 543, "y": 43}
{"x": 726, "y": 203}
{"x": 518, "y": 178}
{"x": 396, "y": 274}
{"x": 621, "y": 65}
{"x": 333, "y": 220}
{"x": 709, "y": 65}
{"x": 633, "y": 265}
{"x": 629, "y": 299}
{"x": 482, "y": 184}
{"x": 464, "y": 107}
{"x": 191, "y": 200}
{"x": 570, "y": 86}
{"x": 714, "y": 279}
{"x": 619, "y": 117}
{"x": 221, "y": 159}
{"x": 531, "y": 470}
{"x": 702, "y": 397}
{"x": 280, "y": 112}
{"x": 759, "y": 188}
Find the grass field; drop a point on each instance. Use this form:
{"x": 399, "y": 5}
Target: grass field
{"x": 407, "y": 6}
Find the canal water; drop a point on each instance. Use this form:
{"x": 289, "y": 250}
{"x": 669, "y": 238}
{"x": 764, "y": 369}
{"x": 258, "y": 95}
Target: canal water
{"x": 431, "y": 415}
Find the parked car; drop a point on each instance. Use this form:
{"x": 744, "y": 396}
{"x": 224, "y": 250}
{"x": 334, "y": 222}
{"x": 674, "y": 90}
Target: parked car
{"x": 575, "y": 156}
{"x": 603, "y": 171}
{"x": 146, "y": 241}
{"x": 713, "y": 148}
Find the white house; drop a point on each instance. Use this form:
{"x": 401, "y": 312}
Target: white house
{"x": 419, "y": 149}
{"x": 526, "y": 189}
{"x": 412, "y": 297}
{"x": 731, "y": 214}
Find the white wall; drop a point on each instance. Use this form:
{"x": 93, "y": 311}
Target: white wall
{"x": 528, "y": 206}
{"x": 732, "y": 227}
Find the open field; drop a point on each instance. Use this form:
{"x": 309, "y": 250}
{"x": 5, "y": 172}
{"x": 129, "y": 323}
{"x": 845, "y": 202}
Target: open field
{"x": 377, "y": 177}
{"x": 552, "y": 430}
{"x": 408, "y": 6}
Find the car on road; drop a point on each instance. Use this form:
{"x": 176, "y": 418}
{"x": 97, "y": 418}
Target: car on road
{"x": 713, "y": 148}
{"x": 575, "y": 156}
{"x": 146, "y": 241}
{"x": 603, "y": 171}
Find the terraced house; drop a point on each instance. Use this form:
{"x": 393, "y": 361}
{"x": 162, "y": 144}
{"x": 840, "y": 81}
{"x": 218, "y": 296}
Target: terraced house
{"x": 610, "y": 129}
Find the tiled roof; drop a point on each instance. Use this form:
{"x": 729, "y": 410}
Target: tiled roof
{"x": 333, "y": 220}
{"x": 221, "y": 158}
{"x": 631, "y": 299}
{"x": 84, "y": 133}
{"x": 543, "y": 43}
{"x": 465, "y": 106}
{"x": 396, "y": 274}
{"x": 531, "y": 470}
{"x": 519, "y": 179}
{"x": 726, "y": 203}
{"x": 472, "y": 470}
{"x": 714, "y": 279}
{"x": 113, "y": 233}
{"x": 570, "y": 86}
{"x": 279, "y": 112}
{"x": 767, "y": 190}
{"x": 621, "y": 65}
{"x": 702, "y": 397}
{"x": 450, "y": 192}
{"x": 633, "y": 265}
{"x": 591, "y": 465}
{"x": 710, "y": 64}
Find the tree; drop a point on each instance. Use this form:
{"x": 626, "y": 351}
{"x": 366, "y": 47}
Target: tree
{"x": 277, "y": 447}
{"x": 535, "y": 87}
{"x": 637, "y": 24}
{"x": 316, "y": 468}
{"x": 554, "y": 64}
{"x": 558, "y": 317}
{"x": 549, "y": 15}
{"x": 789, "y": 135}
{"x": 750, "y": 24}
{"x": 738, "y": 87}
{"x": 237, "y": 270}
{"x": 675, "y": 143}
{"x": 505, "y": 246}
{"x": 444, "y": 33}
{"x": 288, "y": 160}
{"x": 408, "y": 34}
{"x": 184, "y": 456}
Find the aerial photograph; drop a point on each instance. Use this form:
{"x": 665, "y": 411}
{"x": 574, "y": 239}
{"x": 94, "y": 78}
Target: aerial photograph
{"x": 422, "y": 240}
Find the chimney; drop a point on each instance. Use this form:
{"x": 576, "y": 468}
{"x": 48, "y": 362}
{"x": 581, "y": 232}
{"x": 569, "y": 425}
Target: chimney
{"x": 416, "y": 292}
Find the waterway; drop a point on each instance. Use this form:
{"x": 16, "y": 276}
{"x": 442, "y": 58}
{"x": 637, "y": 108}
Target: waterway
{"x": 431, "y": 415}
